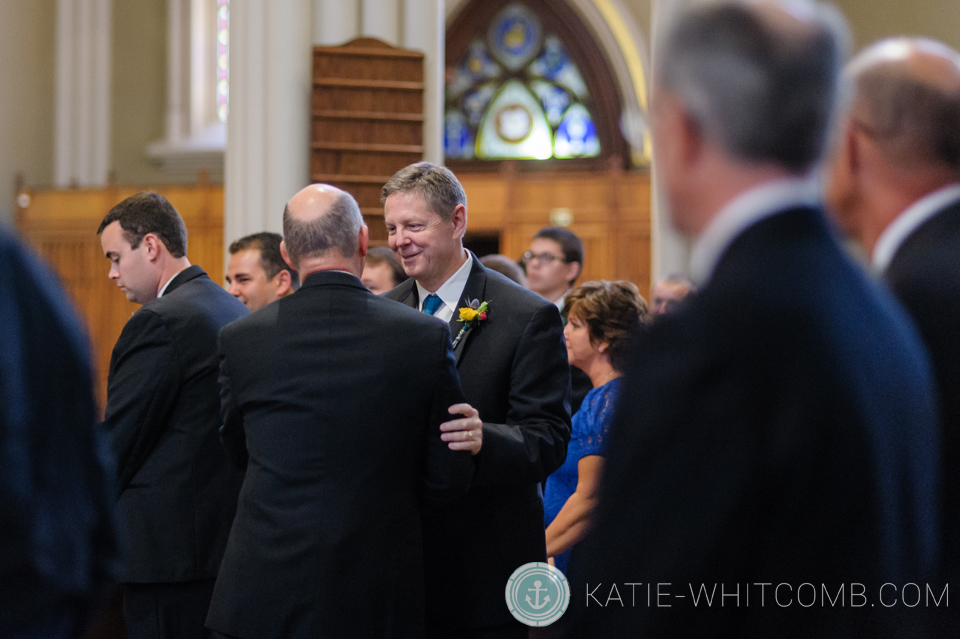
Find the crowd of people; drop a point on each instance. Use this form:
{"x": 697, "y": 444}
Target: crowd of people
{"x": 351, "y": 441}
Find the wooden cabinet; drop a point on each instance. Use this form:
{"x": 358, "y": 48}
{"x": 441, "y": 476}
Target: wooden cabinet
{"x": 367, "y": 120}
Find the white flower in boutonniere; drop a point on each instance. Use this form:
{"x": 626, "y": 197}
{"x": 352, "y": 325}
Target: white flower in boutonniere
{"x": 471, "y": 314}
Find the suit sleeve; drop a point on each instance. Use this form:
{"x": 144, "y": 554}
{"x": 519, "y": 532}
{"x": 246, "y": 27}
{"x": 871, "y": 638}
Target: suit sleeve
{"x": 232, "y": 435}
{"x": 533, "y": 442}
{"x": 446, "y": 473}
{"x": 142, "y": 390}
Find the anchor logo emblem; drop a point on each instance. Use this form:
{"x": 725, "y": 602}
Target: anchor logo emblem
{"x": 537, "y": 590}
{"x": 537, "y": 594}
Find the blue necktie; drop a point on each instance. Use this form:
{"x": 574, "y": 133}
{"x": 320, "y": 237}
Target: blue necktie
{"x": 432, "y": 304}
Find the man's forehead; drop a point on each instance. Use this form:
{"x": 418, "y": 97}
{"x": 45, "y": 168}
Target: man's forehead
{"x": 245, "y": 261}
{"x": 408, "y": 203}
{"x": 546, "y": 243}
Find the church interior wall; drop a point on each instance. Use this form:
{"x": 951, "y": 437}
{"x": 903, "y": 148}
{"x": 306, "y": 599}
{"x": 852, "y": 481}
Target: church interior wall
{"x": 27, "y": 75}
{"x": 27, "y": 62}
{"x": 139, "y": 89}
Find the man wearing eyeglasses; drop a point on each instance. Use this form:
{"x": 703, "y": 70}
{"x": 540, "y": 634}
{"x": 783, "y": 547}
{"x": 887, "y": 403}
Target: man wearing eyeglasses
{"x": 553, "y": 263}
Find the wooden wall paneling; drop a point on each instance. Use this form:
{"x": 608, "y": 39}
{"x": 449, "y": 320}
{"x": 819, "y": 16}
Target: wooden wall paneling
{"x": 61, "y": 226}
{"x": 367, "y": 120}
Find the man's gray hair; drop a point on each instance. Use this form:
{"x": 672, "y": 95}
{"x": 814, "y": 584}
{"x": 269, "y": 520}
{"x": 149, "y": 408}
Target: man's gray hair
{"x": 913, "y": 120}
{"x": 436, "y": 185}
{"x": 763, "y": 93}
{"x": 336, "y": 230}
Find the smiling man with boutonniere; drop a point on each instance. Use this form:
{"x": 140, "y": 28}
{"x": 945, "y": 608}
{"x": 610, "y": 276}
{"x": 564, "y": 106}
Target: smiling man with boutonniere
{"x": 513, "y": 369}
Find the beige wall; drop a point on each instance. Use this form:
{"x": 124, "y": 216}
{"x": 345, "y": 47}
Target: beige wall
{"x": 139, "y": 89}
{"x": 27, "y": 63}
{"x": 871, "y": 20}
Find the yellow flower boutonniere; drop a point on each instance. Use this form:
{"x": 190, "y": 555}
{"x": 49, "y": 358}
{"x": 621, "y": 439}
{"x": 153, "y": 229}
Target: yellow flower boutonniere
{"x": 470, "y": 315}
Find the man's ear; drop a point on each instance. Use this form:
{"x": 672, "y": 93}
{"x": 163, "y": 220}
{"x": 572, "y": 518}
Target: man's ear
{"x": 152, "y": 245}
{"x": 459, "y": 219}
{"x": 690, "y": 134}
{"x": 574, "y": 269}
{"x": 285, "y": 256}
{"x": 364, "y": 241}
{"x": 284, "y": 282}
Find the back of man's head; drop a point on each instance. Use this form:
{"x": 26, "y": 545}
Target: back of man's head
{"x": 760, "y": 80}
{"x": 271, "y": 261}
{"x": 907, "y": 98}
{"x": 321, "y": 221}
{"x": 149, "y": 212}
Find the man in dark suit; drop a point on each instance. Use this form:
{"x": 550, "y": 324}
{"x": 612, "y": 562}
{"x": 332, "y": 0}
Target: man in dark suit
{"x": 333, "y": 401}
{"x": 514, "y": 372}
{"x": 177, "y": 490}
{"x": 775, "y": 447}
{"x": 57, "y": 544}
{"x": 895, "y": 186}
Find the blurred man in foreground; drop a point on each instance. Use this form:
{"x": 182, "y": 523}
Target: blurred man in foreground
{"x": 781, "y": 429}
{"x": 895, "y": 187}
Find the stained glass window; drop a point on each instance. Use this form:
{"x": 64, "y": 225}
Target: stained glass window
{"x": 517, "y": 94}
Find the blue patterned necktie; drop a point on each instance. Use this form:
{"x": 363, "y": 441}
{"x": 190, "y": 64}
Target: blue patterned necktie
{"x": 432, "y": 304}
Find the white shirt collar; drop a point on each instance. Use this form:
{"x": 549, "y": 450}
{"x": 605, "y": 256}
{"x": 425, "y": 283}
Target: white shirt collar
{"x": 560, "y": 303}
{"x": 909, "y": 221}
{"x": 742, "y": 212}
{"x": 450, "y": 291}
{"x": 163, "y": 289}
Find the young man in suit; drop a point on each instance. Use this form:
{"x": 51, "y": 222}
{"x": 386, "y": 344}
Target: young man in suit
{"x": 177, "y": 490}
{"x": 895, "y": 187}
{"x": 256, "y": 272}
{"x": 779, "y": 427}
{"x": 335, "y": 401}
{"x": 513, "y": 369}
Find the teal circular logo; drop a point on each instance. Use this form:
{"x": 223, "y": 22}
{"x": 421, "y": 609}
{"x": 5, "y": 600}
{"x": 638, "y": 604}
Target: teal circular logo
{"x": 537, "y": 594}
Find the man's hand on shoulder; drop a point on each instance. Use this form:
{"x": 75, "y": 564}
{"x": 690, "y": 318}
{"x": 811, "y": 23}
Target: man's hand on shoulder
{"x": 465, "y": 433}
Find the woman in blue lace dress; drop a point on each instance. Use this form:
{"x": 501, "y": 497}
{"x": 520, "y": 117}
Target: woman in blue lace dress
{"x": 600, "y": 318}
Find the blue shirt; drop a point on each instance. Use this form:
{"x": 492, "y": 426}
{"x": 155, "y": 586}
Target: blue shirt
{"x": 590, "y": 426}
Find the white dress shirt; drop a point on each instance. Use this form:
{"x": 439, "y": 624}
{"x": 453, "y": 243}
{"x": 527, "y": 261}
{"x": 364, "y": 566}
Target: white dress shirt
{"x": 744, "y": 211}
{"x": 450, "y": 292}
{"x": 909, "y": 221}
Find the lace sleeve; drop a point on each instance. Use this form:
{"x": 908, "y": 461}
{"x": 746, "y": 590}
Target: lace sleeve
{"x": 598, "y": 418}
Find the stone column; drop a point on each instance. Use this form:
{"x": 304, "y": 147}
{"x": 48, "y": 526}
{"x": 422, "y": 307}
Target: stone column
{"x": 669, "y": 251}
{"x": 424, "y": 29}
{"x": 268, "y": 129}
{"x": 82, "y": 128}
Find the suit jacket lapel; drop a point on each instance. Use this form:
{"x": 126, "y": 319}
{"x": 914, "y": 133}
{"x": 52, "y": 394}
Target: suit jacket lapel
{"x": 410, "y": 297}
{"x": 476, "y": 284}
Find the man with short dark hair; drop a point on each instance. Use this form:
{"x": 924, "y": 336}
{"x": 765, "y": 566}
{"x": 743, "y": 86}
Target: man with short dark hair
{"x": 335, "y": 401}
{"x": 895, "y": 187}
{"x": 256, "y": 273}
{"x": 177, "y": 490}
{"x": 513, "y": 368}
{"x": 553, "y": 263}
{"x": 381, "y": 270}
{"x": 781, "y": 427}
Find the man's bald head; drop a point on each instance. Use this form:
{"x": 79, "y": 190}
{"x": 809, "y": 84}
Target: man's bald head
{"x": 321, "y": 219}
{"x": 907, "y": 99}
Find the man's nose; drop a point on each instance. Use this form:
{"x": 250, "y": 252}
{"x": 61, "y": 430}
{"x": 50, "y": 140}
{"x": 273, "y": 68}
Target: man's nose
{"x": 233, "y": 289}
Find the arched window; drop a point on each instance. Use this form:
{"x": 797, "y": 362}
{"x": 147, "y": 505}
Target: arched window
{"x": 525, "y": 81}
